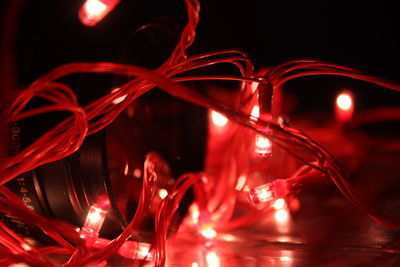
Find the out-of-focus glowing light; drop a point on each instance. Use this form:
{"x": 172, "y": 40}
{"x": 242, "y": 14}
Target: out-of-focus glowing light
{"x": 281, "y": 216}
{"x": 344, "y": 106}
{"x": 344, "y": 101}
{"x": 218, "y": 119}
{"x": 195, "y": 264}
{"x": 227, "y": 237}
{"x": 283, "y": 239}
{"x": 119, "y": 99}
{"x": 162, "y": 193}
{"x": 294, "y": 203}
{"x": 126, "y": 169}
{"x": 137, "y": 173}
{"x": 241, "y": 183}
{"x": 263, "y": 145}
{"x": 279, "y": 204}
{"x": 26, "y": 247}
{"x": 143, "y": 252}
{"x": 212, "y": 259}
{"x": 18, "y": 265}
{"x": 285, "y": 258}
{"x": 95, "y": 7}
{"x": 195, "y": 213}
{"x": 94, "y": 11}
{"x": 254, "y": 87}
{"x": 255, "y": 112}
{"x": 130, "y": 111}
{"x": 246, "y": 188}
{"x": 208, "y": 232}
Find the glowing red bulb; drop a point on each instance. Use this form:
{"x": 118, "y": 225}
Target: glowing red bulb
{"x": 94, "y": 222}
{"x": 163, "y": 193}
{"x": 94, "y": 11}
{"x": 95, "y": 218}
{"x": 344, "y": 101}
{"x": 218, "y": 119}
{"x": 279, "y": 204}
{"x": 285, "y": 258}
{"x": 261, "y": 194}
{"x": 212, "y": 259}
{"x": 255, "y": 112}
{"x": 263, "y": 145}
{"x": 268, "y": 192}
{"x": 281, "y": 216}
{"x": 344, "y": 107}
{"x": 208, "y": 232}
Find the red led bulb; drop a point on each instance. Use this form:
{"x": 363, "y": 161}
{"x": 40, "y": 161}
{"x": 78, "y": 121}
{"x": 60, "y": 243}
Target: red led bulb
{"x": 94, "y": 222}
{"x": 93, "y": 11}
{"x": 344, "y": 106}
{"x": 267, "y": 192}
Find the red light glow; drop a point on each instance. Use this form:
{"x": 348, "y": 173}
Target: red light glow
{"x": 93, "y": 11}
{"x": 270, "y": 191}
{"x": 212, "y": 259}
{"x": 285, "y": 258}
{"x": 218, "y": 119}
{"x": 208, "y": 232}
{"x": 281, "y": 216}
{"x": 137, "y": 173}
{"x": 126, "y": 169}
{"x": 261, "y": 194}
{"x": 279, "y": 204}
{"x": 94, "y": 222}
{"x": 162, "y": 193}
{"x": 130, "y": 249}
{"x": 241, "y": 182}
{"x": 195, "y": 213}
{"x": 344, "y": 107}
{"x": 344, "y": 101}
{"x": 255, "y": 112}
{"x": 263, "y": 145}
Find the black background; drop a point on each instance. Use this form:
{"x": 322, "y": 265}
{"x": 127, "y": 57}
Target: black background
{"x": 360, "y": 35}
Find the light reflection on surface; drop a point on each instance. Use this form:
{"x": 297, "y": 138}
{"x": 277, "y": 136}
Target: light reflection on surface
{"x": 279, "y": 204}
{"x": 283, "y": 239}
{"x": 281, "y": 216}
{"x": 212, "y": 259}
{"x": 208, "y": 232}
{"x": 285, "y": 258}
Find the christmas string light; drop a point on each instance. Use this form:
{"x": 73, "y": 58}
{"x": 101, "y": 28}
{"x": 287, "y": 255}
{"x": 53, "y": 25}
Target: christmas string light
{"x": 93, "y": 11}
{"x": 344, "y": 106}
{"x": 218, "y": 192}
